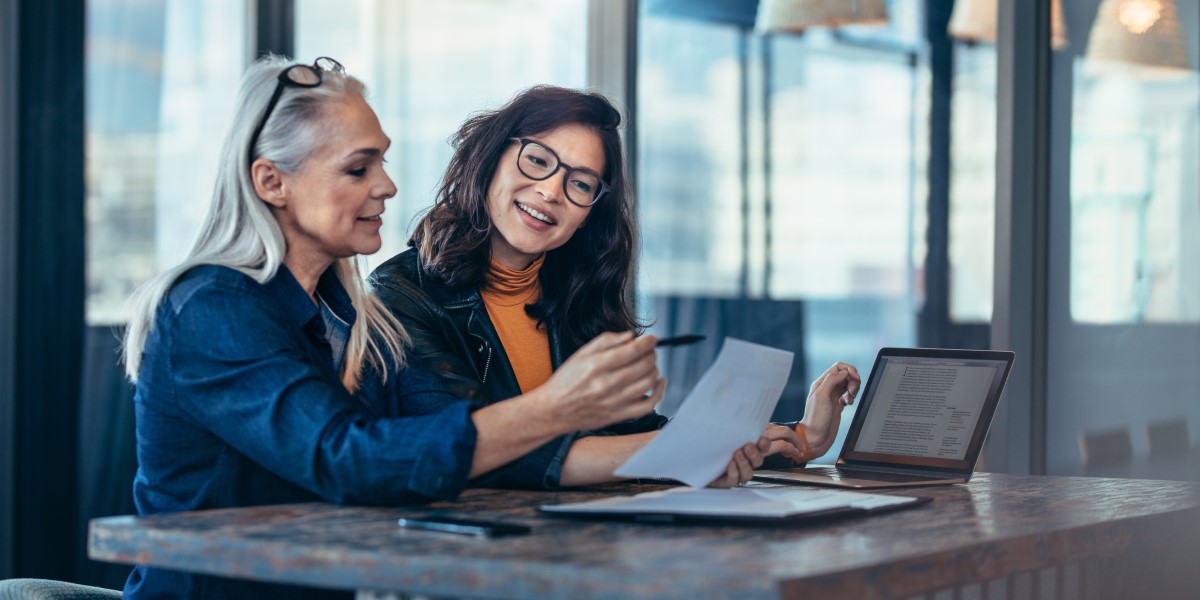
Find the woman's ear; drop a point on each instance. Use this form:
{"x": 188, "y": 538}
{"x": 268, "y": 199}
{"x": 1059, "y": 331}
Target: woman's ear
{"x": 268, "y": 182}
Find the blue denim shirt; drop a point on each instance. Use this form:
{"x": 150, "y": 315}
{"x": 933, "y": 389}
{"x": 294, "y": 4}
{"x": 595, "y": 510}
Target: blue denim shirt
{"x": 239, "y": 403}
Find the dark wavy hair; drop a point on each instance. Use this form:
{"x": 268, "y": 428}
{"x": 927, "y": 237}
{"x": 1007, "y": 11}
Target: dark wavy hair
{"x": 585, "y": 282}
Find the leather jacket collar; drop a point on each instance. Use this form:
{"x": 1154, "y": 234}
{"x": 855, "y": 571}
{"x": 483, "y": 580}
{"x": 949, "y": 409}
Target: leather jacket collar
{"x": 464, "y": 317}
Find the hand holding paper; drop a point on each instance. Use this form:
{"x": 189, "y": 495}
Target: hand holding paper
{"x": 729, "y": 407}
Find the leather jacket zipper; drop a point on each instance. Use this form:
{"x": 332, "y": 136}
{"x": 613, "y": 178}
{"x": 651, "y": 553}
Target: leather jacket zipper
{"x": 486, "y": 364}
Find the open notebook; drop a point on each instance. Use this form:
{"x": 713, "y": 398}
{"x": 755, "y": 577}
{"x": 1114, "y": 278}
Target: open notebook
{"x": 753, "y": 503}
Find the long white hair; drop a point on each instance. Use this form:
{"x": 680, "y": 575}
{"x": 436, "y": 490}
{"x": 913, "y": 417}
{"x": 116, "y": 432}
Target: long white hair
{"x": 240, "y": 232}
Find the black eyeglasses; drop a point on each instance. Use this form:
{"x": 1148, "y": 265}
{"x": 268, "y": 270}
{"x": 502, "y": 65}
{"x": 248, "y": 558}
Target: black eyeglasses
{"x": 583, "y": 187}
{"x": 297, "y": 75}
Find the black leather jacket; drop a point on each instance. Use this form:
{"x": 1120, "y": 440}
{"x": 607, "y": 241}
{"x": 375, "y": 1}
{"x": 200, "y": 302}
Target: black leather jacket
{"x": 452, "y": 333}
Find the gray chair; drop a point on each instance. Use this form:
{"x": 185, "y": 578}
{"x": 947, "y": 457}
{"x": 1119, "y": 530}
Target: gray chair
{"x": 1105, "y": 447}
{"x": 46, "y": 589}
{"x": 1168, "y": 437}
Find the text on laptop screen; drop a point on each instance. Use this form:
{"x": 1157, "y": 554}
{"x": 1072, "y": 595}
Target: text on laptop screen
{"x": 927, "y": 407}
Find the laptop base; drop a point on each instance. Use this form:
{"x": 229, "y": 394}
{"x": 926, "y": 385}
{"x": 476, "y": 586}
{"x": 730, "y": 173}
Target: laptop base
{"x": 833, "y": 477}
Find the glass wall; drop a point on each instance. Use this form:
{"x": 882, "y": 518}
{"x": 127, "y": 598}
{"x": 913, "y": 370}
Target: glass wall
{"x": 161, "y": 78}
{"x": 1124, "y": 305}
{"x": 972, "y": 181}
{"x": 429, "y": 65}
{"x": 781, "y": 187}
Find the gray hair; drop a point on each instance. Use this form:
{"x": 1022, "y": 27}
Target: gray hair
{"x": 241, "y": 233}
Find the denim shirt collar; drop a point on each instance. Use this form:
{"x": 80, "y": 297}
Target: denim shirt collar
{"x": 299, "y": 306}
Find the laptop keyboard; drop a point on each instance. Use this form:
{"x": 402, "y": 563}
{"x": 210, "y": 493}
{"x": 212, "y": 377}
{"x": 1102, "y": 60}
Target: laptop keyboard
{"x": 844, "y": 473}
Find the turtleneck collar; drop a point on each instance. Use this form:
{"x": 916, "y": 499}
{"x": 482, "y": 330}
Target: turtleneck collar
{"x": 509, "y": 287}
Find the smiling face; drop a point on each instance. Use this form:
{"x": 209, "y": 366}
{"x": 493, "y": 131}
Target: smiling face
{"x": 331, "y": 207}
{"x": 531, "y": 217}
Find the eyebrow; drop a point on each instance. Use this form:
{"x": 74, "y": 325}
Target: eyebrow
{"x": 369, "y": 151}
{"x": 365, "y": 152}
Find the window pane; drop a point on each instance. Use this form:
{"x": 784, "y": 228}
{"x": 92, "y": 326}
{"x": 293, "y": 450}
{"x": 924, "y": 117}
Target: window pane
{"x": 780, "y": 183}
{"x": 690, "y": 152}
{"x": 1123, "y": 330}
{"x": 1135, "y": 220}
{"x": 161, "y": 77}
{"x": 972, "y": 182}
{"x": 429, "y": 65}
{"x": 842, "y": 170}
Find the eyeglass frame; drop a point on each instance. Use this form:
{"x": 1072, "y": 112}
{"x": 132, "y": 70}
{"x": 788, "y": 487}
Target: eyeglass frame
{"x": 604, "y": 188}
{"x": 284, "y": 80}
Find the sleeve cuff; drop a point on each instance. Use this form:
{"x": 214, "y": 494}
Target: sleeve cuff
{"x": 442, "y": 472}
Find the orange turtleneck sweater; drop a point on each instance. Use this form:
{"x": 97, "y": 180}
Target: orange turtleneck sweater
{"x": 505, "y": 295}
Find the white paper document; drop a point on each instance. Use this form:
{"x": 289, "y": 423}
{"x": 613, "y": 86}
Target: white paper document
{"x": 729, "y": 407}
{"x": 741, "y": 502}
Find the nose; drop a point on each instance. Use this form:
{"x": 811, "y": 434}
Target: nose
{"x": 385, "y": 189}
{"x": 552, "y": 188}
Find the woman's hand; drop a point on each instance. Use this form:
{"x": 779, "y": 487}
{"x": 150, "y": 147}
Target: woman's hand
{"x": 612, "y": 378}
{"x": 833, "y": 391}
{"x": 741, "y": 467}
{"x": 783, "y": 440}
{"x": 776, "y": 439}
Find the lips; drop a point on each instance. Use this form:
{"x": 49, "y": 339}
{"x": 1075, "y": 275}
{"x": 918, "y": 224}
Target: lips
{"x": 536, "y": 214}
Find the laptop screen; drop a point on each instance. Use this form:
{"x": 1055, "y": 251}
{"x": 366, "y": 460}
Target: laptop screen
{"x": 927, "y": 408}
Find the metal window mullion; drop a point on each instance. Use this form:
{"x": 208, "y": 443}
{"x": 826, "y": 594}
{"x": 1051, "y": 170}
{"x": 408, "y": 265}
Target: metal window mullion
{"x": 612, "y": 55}
{"x": 9, "y": 60}
{"x": 274, "y": 28}
{"x": 934, "y": 319}
{"x": 1017, "y": 442}
{"x": 612, "y": 63}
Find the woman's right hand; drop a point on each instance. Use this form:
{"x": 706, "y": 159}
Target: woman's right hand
{"x": 608, "y": 380}
{"x": 832, "y": 392}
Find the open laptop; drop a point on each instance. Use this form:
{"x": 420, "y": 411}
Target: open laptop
{"x": 921, "y": 420}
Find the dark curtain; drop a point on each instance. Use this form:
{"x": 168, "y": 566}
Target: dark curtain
{"x": 47, "y": 287}
{"x": 107, "y": 460}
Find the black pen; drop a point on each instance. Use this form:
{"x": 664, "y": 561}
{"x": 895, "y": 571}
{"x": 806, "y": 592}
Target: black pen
{"x": 680, "y": 340}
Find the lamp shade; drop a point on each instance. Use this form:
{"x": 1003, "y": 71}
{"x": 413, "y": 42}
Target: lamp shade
{"x": 798, "y": 15}
{"x": 1138, "y": 32}
{"x": 975, "y": 20}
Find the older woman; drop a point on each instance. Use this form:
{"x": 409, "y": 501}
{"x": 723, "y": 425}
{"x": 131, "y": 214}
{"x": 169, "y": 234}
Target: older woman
{"x": 267, "y": 372}
{"x": 526, "y": 255}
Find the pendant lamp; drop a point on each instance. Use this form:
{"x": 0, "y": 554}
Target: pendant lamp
{"x": 1144, "y": 33}
{"x": 798, "y": 15}
{"x": 975, "y": 20}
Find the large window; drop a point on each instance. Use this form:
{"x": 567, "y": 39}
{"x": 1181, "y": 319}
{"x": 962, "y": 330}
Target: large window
{"x": 780, "y": 187}
{"x": 430, "y": 65}
{"x": 1123, "y": 332}
{"x": 1135, "y": 221}
{"x": 161, "y": 77}
{"x": 972, "y": 226}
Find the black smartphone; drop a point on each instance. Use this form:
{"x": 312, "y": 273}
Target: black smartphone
{"x": 452, "y": 524}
